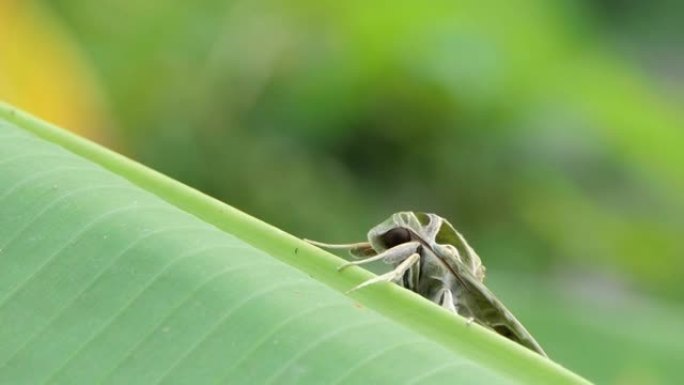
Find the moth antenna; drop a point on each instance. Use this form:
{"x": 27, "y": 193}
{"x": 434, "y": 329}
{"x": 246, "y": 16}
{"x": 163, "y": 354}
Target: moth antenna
{"x": 336, "y": 246}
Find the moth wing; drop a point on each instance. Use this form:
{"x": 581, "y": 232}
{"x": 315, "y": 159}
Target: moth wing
{"x": 491, "y": 312}
{"x": 448, "y": 234}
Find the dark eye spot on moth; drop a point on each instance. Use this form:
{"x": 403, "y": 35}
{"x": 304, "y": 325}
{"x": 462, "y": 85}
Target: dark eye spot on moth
{"x": 396, "y": 236}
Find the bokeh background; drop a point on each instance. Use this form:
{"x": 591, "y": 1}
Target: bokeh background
{"x": 550, "y": 133}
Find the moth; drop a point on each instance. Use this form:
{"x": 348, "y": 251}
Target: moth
{"x": 435, "y": 261}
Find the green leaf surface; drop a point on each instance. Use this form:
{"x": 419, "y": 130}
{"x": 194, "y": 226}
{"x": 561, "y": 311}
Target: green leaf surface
{"x": 113, "y": 273}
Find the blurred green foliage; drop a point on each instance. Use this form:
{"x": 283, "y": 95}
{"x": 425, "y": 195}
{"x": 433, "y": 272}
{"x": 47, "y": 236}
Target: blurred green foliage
{"x": 514, "y": 119}
{"x": 508, "y": 118}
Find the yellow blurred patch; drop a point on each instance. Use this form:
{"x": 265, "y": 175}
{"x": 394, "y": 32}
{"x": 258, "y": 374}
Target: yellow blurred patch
{"x": 42, "y": 71}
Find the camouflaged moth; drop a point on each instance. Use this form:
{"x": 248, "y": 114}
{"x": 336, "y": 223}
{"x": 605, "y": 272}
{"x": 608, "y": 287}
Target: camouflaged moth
{"x": 434, "y": 260}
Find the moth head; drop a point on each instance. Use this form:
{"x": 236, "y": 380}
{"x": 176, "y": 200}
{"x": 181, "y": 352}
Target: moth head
{"x": 394, "y": 237}
{"x": 399, "y": 228}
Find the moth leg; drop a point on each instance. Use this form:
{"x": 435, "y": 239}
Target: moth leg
{"x": 393, "y": 275}
{"x": 465, "y": 312}
{"x": 361, "y": 262}
{"x": 394, "y": 255}
{"x": 447, "y": 300}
